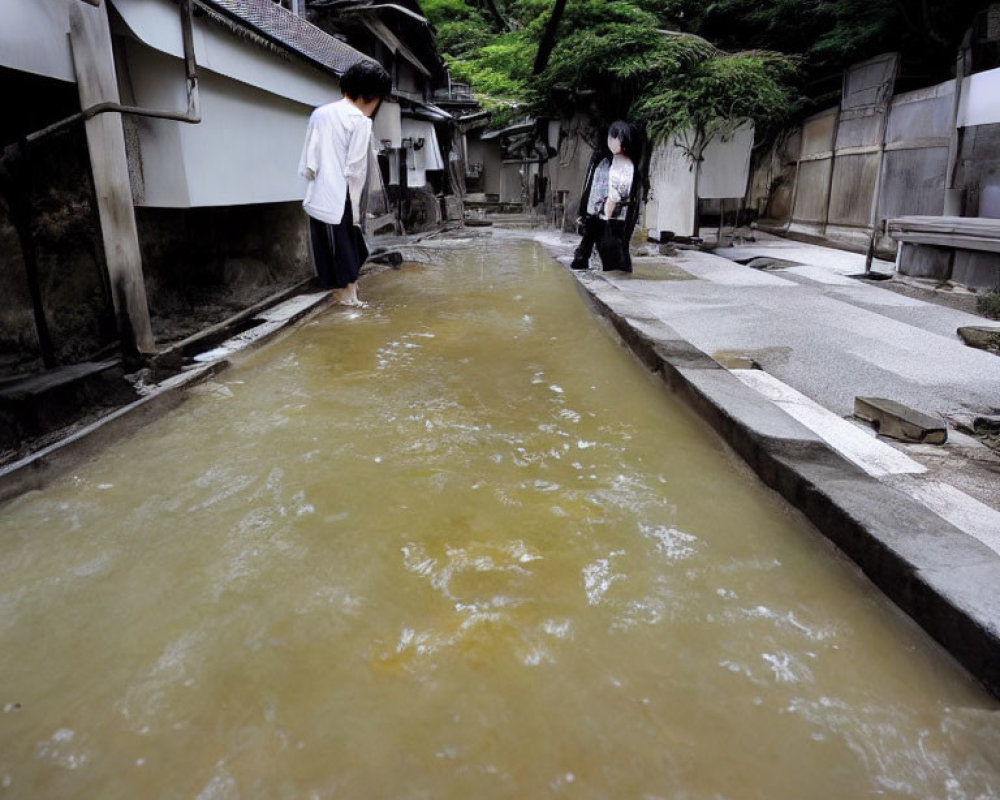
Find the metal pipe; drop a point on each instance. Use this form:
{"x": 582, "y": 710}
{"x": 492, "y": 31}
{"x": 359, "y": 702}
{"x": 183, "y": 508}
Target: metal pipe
{"x": 193, "y": 114}
{"x": 877, "y": 190}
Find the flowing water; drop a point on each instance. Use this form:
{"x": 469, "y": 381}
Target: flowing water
{"x": 458, "y": 545}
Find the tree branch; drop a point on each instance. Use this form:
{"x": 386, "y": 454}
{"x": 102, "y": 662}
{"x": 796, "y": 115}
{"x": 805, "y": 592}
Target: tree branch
{"x": 548, "y": 40}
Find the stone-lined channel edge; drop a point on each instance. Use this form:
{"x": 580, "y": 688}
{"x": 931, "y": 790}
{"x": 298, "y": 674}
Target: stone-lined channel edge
{"x": 941, "y": 577}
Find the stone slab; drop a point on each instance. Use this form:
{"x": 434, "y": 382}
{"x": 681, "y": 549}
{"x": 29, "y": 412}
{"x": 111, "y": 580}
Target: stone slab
{"x": 900, "y": 422}
{"x": 981, "y": 337}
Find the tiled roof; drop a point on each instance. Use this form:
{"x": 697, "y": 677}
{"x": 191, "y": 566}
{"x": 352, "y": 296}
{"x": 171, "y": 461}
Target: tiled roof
{"x": 281, "y": 26}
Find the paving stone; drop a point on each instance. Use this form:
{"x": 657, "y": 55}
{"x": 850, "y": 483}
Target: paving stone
{"x": 982, "y": 337}
{"x": 900, "y": 422}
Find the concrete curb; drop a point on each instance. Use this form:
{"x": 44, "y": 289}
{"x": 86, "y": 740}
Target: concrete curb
{"x": 943, "y": 578}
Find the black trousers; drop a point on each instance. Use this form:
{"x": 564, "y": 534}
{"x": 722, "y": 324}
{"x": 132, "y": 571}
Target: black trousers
{"x": 338, "y": 250}
{"x": 608, "y": 236}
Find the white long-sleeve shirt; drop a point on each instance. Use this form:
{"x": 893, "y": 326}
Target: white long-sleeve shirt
{"x": 335, "y": 159}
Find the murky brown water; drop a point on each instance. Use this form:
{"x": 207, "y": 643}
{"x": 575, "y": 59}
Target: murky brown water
{"x": 459, "y": 545}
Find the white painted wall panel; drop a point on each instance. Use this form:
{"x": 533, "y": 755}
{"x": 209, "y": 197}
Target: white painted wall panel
{"x": 427, "y": 157}
{"x": 387, "y": 125}
{"x": 245, "y": 150}
{"x": 980, "y": 103}
{"x": 157, "y": 23}
{"x": 671, "y": 179}
{"x": 34, "y": 37}
{"x": 725, "y": 171}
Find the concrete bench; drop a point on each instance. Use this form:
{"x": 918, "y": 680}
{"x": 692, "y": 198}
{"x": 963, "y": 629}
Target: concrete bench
{"x": 962, "y": 249}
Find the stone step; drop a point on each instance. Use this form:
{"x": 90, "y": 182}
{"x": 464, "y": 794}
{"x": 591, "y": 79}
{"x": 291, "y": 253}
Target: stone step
{"x": 900, "y": 422}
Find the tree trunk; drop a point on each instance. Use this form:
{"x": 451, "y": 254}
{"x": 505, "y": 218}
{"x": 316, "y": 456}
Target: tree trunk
{"x": 499, "y": 22}
{"x": 548, "y": 41}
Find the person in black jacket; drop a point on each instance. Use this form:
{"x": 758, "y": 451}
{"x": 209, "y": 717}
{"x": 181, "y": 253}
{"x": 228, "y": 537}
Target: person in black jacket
{"x": 609, "y": 203}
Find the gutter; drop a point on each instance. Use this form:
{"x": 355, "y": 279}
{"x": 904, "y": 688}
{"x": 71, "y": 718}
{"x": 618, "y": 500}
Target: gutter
{"x": 349, "y": 4}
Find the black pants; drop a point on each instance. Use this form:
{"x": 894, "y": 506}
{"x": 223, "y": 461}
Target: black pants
{"x": 338, "y": 250}
{"x": 609, "y": 238}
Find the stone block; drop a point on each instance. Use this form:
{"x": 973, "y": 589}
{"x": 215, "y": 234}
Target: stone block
{"x": 976, "y": 269}
{"x": 900, "y": 422}
{"x": 925, "y": 261}
{"x": 982, "y": 337}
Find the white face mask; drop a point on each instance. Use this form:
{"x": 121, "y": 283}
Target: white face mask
{"x": 614, "y": 145}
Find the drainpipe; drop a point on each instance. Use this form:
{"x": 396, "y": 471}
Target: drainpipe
{"x": 952, "y": 198}
{"x": 877, "y": 191}
{"x": 833, "y": 152}
{"x": 795, "y": 185}
{"x": 883, "y": 108}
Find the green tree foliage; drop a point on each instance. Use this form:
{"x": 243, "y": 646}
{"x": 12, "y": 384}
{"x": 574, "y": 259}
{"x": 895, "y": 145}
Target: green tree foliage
{"x": 612, "y": 58}
{"x": 831, "y": 34}
{"x": 622, "y": 57}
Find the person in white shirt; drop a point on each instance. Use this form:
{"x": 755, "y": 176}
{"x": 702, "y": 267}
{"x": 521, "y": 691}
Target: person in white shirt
{"x": 605, "y": 210}
{"x": 335, "y": 162}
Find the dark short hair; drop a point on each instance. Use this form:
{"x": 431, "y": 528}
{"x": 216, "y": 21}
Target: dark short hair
{"x": 366, "y": 79}
{"x": 624, "y": 132}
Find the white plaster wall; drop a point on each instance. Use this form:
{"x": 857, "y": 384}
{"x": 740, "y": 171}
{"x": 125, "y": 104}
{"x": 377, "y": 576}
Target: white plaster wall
{"x": 157, "y": 24}
{"x": 245, "y": 150}
{"x": 725, "y": 171}
{"x": 671, "y": 206}
{"x": 387, "y": 125}
{"x": 980, "y": 103}
{"x": 34, "y": 38}
{"x": 427, "y": 157}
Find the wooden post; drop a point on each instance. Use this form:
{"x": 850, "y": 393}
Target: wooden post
{"x": 90, "y": 38}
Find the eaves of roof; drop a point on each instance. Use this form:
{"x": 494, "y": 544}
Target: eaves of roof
{"x": 288, "y": 31}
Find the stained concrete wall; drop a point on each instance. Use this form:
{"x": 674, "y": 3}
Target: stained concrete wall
{"x": 820, "y": 179}
{"x": 772, "y": 176}
{"x": 202, "y": 265}
{"x": 568, "y": 170}
{"x": 488, "y": 154}
{"x": 72, "y": 278}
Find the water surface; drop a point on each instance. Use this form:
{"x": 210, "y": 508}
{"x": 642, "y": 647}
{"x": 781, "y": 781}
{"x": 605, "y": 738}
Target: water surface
{"x": 458, "y": 545}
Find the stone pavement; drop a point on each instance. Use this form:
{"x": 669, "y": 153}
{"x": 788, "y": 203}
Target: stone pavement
{"x": 773, "y": 359}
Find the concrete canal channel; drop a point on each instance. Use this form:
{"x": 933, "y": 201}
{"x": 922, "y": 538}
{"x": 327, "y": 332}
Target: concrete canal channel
{"x": 456, "y": 545}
